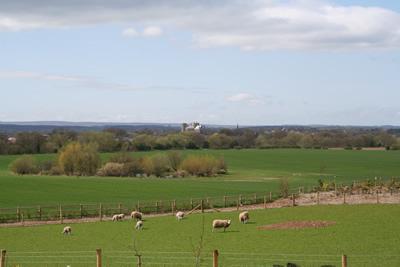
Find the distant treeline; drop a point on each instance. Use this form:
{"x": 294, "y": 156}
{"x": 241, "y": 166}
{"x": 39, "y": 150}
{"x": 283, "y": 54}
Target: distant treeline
{"x": 112, "y": 140}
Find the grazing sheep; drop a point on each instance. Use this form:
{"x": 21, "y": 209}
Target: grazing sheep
{"x": 139, "y": 225}
{"x": 118, "y": 217}
{"x": 244, "y": 217}
{"x": 221, "y": 224}
{"x": 136, "y": 215}
{"x": 179, "y": 215}
{"x": 67, "y": 230}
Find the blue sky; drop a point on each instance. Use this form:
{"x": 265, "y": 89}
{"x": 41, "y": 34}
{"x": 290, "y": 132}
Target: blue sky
{"x": 227, "y": 62}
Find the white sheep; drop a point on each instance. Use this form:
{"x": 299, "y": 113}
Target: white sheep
{"x": 136, "y": 215}
{"x": 221, "y": 224}
{"x": 118, "y": 217}
{"x": 179, "y": 215}
{"x": 244, "y": 217}
{"x": 67, "y": 230}
{"x": 139, "y": 225}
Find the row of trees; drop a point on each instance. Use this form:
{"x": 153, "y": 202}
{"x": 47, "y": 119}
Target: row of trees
{"x": 84, "y": 160}
{"x": 113, "y": 140}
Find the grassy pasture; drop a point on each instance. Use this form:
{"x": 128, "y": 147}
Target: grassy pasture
{"x": 250, "y": 171}
{"x": 359, "y": 232}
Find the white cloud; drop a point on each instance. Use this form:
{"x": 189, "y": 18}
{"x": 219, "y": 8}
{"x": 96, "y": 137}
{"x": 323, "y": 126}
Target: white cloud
{"x": 130, "y": 32}
{"x": 245, "y": 98}
{"x": 249, "y": 25}
{"x": 152, "y": 31}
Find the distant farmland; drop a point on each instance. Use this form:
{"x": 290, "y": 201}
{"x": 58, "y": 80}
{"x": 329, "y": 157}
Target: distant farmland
{"x": 250, "y": 171}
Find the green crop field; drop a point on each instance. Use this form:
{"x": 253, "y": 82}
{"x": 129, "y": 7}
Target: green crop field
{"x": 368, "y": 234}
{"x": 250, "y": 171}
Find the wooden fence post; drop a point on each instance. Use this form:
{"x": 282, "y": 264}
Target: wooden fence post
{"x": 139, "y": 260}
{"x": 344, "y": 197}
{"x": 157, "y": 208}
{"x": 173, "y": 206}
{"x": 61, "y": 214}
{"x": 344, "y": 261}
{"x": 40, "y": 213}
{"x": 215, "y": 258}
{"x": 293, "y": 200}
{"x": 100, "y": 212}
{"x": 191, "y": 203}
{"x": 237, "y": 204}
{"x": 202, "y": 206}
{"x": 98, "y": 257}
{"x": 3, "y": 258}
{"x": 224, "y": 201}
{"x": 270, "y": 196}
{"x": 265, "y": 202}
{"x": 18, "y": 214}
{"x": 81, "y": 210}
{"x": 318, "y": 198}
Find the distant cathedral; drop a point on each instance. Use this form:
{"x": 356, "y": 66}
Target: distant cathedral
{"x": 192, "y": 127}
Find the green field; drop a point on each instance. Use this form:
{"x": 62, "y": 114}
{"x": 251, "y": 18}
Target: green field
{"x": 368, "y": 234}
{"x": 250, "y": 171}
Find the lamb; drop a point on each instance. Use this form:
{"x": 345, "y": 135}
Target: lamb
{"x": 221, "y": 224}
{"x": 244, "y": 217}
{"x": 139, "y": 225}
{"x": 118, "y": 217}
{"x": 136, "y": 215}
{"x": 67, "y": 230}
{"x": 179, "y": 215}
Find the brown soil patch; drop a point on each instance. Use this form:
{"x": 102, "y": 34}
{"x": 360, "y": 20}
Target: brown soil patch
{"x": 296, "y": 225}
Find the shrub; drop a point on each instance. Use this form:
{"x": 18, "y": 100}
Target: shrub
{"x": 112, "y": 169}
{"x": 284, "y": 187}
{"x": 203, "y": 165}
{"x": 24, "y": 165}
{"x": 174, "y": 159}
{"x": 79, "y": 159}
{"x": 160, "y": 165}
{"x": 133, "y": 168}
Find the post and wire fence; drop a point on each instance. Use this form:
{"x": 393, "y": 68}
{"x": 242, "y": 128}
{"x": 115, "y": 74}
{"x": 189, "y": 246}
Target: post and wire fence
{"x": 215, "y": 258}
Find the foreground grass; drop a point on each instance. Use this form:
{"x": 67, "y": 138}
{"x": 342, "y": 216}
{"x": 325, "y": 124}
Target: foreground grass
{"x": 250, "y": 171}
{"x": 360, "y": 231}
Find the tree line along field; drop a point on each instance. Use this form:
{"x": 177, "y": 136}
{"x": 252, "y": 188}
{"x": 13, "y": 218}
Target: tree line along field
{"x": 368, "y": 234}
{"x": 250, "y": 171}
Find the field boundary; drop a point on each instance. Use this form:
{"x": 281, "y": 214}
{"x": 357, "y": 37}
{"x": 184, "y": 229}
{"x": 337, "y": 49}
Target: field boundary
{"x": 198, "y": 205}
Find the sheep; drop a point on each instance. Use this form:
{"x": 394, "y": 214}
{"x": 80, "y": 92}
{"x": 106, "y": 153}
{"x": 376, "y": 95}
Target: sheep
{"x": 179, "y": 215}
{"x": 118, "y": 217}
{"x": 221, "y": 224}
{"x": 136, "y": 215}
{"x": 67, "y": 230}
{"x": 244, "y": 217}
{"x": 139, "y": 225}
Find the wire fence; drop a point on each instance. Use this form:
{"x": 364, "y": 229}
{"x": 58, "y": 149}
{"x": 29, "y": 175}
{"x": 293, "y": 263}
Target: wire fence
{"x": 354, "y": 193}
{"x": 158, "y": 259}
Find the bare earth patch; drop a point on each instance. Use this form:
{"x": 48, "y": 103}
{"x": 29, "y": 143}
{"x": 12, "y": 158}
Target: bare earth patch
{"x": 296, "y": 225}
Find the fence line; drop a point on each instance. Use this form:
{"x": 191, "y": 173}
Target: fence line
{"x": 100, "y": 211}
{"x": 213, "y": 258}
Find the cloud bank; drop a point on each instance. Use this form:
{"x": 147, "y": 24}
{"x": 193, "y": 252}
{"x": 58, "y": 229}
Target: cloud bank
{"x": 249, "y": 25}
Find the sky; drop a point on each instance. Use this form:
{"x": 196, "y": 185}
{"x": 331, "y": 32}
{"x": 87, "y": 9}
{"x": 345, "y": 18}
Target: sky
{"x": 251, "y": 62}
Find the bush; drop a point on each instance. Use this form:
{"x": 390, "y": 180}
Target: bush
{"x": 203, "y": 165}
{"x": 24, "y": 165}
{"x": 160, "y": 165}
{"x": 78, "y": 159}
{"x": 174, "y": 159}
{"x": 112, "y": 169}
{"x": 284, "y": 187}
{"x": 133, "y": 168}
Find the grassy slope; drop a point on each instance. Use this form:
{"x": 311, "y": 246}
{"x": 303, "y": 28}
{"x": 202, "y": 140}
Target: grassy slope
{"x": 250, "y": 171}
{"x": 359, "y": 230}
